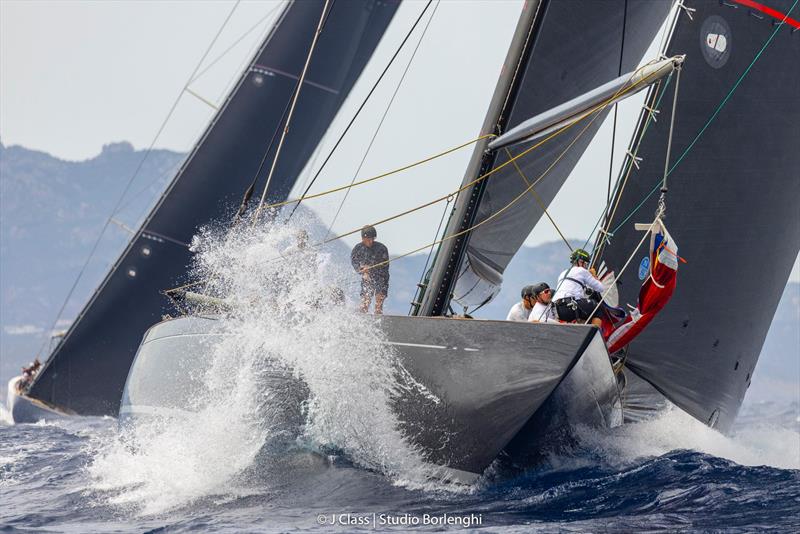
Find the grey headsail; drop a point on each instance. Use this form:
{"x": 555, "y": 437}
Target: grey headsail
{"x": 732, "y": 202}
{"x": 561, "y": 116}
{"x": 570, "y": 47}
{"x": 86, "y": 372}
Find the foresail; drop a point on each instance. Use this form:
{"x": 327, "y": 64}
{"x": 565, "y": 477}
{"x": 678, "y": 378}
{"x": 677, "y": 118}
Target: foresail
{"x": 732, "y": 204}
{"x": 558, "y": 69}
{"x": 87, "y": 371}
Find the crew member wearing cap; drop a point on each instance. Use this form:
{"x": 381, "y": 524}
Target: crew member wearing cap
{"x": 543, "y": 310}
{"x": 578, "y": 292}
{"x": 371, "y": 259}
{"x": 521, "y": 310}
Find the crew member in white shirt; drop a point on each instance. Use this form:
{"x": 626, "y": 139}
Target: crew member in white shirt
{"x": 522, "y": 310}
{"x": 578, "y": 292}
{"x": 543, "y": 311}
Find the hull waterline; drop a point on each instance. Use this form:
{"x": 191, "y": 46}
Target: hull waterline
{"x": 25, "y": 409}
{"x": 481, "y": 389}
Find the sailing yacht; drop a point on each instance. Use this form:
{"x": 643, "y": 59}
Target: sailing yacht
{"x": 86, "y": 372}
{"x": 492, "y": 389}
{"x": 487, "y": 390}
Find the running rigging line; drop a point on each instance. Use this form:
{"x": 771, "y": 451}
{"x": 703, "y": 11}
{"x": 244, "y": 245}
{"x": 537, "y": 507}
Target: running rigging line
{"x": 594, "y": 112}
{"x": 358, "y": 111}
{"x": 323, "y": 17}
{"x": 380, "y": 123}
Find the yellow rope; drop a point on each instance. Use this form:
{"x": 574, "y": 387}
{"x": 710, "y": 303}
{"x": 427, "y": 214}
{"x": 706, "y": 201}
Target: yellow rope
{"x": 501, "y": 210}
{"x": 594, "y": 111}
{"x": 539, "y": 201}
{"x": 378, "y": 177}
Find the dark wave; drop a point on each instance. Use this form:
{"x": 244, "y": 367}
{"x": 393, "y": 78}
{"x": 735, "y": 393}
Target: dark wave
{"x": 45, "y": 484}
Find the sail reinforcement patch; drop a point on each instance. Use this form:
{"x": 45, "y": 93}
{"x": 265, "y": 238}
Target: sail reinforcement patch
{"x": 715, "y": 41}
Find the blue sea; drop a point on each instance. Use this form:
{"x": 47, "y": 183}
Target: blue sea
{"x": 669, "y": 474}
{"x": 242, "y": 456}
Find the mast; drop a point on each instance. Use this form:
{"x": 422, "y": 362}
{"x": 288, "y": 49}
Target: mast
{"x": 450, "y": 253}
{"x": 543, "y": 70}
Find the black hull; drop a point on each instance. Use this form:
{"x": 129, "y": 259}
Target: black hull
{"x": 473, "y": 390}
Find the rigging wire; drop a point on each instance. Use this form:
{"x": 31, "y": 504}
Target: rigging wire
{"x": 236, "y": 42}
{"x": 430, "y": 253}
{"x": 226, "y": 90}
{"x": 323, "y": 17}
{"x": 383, "y": 118}
{"x": 136, "y": 173}
{"x": 626, "y": 170}
{"x": 252, "y": 187}
{"x": 363, "y": 103}
{"x": 616, "y": 107}
{"x": 627, "y": 263}
{"x": 593, "y": 111}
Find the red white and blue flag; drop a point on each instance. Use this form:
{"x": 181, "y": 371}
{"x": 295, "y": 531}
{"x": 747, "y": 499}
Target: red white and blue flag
{"x": 660, "y": 271}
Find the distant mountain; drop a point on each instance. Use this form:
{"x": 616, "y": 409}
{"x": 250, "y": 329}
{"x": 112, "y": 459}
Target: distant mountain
{"x": 51, "y": 212}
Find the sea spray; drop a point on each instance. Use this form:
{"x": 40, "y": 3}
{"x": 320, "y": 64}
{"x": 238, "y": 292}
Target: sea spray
{"x": 761, "y": 443}
{"x": 293, "y": 365}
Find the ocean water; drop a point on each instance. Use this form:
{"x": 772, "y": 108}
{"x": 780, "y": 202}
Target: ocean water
{"x": 668, "y": 474}
{"x": 247, "y": 456}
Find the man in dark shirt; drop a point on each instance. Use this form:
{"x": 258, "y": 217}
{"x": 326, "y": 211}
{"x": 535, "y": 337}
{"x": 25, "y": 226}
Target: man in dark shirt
{"x": 370, "y": 258}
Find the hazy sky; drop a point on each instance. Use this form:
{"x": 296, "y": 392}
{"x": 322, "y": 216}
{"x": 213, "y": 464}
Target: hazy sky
{"x": 75, "y": 75}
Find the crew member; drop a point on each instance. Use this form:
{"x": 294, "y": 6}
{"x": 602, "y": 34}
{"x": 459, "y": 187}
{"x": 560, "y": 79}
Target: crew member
{"x": 578, "y": 292}
{"x": 522, "y": 310}
{"x": 370, "y": 258}
{"x": 543, "y": 310}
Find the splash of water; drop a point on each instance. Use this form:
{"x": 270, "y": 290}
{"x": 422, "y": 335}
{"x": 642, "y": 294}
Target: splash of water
{"x": 762, "y": 443}
{"x": 295, "y": 367}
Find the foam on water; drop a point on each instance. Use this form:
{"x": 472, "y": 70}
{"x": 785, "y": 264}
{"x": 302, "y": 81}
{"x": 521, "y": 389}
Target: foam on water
{"x": 286, "y": 321}
{"x": 756, "y": 444}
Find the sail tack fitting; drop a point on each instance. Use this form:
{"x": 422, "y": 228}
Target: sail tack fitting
{"x": 605, "y": 95}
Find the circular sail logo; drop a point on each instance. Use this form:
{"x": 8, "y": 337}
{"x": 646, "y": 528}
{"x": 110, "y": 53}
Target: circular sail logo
{"x": 644, "y": 267}
{"x": 715, "y": 41}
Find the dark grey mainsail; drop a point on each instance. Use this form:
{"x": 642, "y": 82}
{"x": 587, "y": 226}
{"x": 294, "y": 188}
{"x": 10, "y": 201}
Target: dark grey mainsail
{"x": 86, "y": 372}
{"x": 574, "y": 46}
{"x": 732, "y": 203}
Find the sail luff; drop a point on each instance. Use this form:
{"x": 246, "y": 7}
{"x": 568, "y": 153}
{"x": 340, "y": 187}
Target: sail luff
{"x": 470, "y": 268}
{"x": 436, "y": 297}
